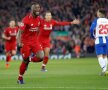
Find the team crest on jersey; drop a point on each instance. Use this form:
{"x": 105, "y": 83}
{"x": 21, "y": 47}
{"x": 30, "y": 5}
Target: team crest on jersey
{"x": 48, "y": 28}
{"x": 31, "y": 24}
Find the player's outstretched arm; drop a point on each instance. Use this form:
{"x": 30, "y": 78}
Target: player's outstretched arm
{"x": 63, "y": 23}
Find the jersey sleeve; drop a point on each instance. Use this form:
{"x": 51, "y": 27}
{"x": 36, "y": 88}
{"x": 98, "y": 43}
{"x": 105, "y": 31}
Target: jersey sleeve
{"x": 6, "y": 32}
{"x": 92, "y": 28}
{"x": 57, "y": 23}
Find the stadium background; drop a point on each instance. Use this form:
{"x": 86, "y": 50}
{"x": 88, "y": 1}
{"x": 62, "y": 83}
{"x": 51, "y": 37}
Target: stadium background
{"x": 65, "y": 39}
{"x": 63, "y": 74}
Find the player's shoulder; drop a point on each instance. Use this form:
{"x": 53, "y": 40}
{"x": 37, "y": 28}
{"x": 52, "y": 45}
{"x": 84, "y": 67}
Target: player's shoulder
{"x": 6, "y": 29}
{"x": 26, "y": 18}
{"x": 53, "y": 21}
{"x": 16, "y": 27}
{"x": 40, "y": 18}
{"x": 96, "y": 19}
{"x": 102, "y": 20}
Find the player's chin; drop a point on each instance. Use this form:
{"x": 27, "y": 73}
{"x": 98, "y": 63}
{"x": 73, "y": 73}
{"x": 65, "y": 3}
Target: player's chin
{"x": 36, "y": 13}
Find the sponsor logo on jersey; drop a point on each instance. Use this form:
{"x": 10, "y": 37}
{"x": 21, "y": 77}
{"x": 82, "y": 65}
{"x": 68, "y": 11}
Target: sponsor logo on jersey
{"x": 48, "y": 27}
{"x": 34, "y": 29}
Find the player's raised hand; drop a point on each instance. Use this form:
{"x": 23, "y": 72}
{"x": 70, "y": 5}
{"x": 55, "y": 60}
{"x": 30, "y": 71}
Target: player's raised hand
{"x": 76, "y": 21}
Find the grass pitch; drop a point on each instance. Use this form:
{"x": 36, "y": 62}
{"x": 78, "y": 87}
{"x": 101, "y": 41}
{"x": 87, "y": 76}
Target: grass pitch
{"x": 74, "y": 74}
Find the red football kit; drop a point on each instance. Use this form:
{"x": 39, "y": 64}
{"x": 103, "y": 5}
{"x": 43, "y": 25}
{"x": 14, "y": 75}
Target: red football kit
{"x": 30, "y": 27}
{"x": 11, "y": 44}
{"x": 46, "y": 29}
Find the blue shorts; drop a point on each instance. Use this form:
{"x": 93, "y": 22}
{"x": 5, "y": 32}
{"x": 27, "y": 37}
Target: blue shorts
{"x": 101, "y": 49}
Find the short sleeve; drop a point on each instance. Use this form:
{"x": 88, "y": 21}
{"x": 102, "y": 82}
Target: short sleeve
{"x": 92, "y": 28}
{"x": 6, "y": 31}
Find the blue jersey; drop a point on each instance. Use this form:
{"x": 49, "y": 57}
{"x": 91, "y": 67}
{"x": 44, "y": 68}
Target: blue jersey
{"x": 99, "y": 31}
{"x": 100, "y": 27}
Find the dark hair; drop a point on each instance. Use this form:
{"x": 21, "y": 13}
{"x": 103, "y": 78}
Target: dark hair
{"x": 36, "y": 3}
{"x": 103, "y": 11}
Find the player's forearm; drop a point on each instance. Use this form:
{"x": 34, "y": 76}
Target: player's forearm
{"x": 5, "y": 37}
{"x": 19, "y": 36}
{"x": 63, "y": 23}
{"x": 76, "y": 21}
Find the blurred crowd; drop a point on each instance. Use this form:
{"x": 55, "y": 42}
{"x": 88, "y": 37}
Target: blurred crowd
{"x": 62, "y": 10}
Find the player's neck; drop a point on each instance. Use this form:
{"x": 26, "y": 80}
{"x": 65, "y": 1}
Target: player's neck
{"x": 47, "y": 20}
{"x": 33, "y": 15}
{"x": 12, "y": 26}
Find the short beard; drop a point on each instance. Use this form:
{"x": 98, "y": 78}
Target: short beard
{"x": 35, "y": 14}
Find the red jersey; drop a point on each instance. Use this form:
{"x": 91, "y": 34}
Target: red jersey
{"x": 30, "y": 27}
{"x": 46, "y": 28}
{"x": 11, "y": 32}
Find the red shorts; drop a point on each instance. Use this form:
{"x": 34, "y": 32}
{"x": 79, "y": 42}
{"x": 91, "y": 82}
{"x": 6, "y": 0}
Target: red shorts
{"x": 9, "y": 46}
{"x": 27, "y": 49}
{"x": 45, "y": 43}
